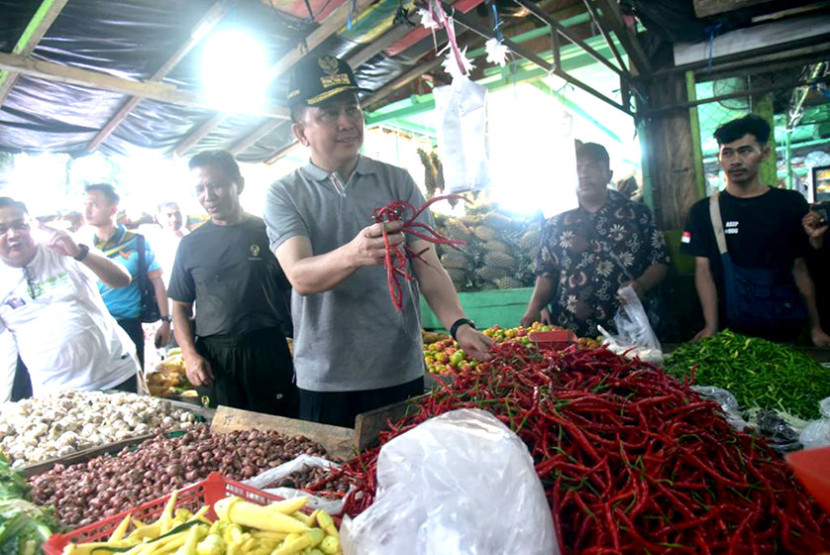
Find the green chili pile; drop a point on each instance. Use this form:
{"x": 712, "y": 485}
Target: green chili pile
{"x": 759, "y": 373}
{"x": 631, "y": 459}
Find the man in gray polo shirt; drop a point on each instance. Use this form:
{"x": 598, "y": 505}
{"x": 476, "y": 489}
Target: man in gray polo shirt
{"x": 352, "y": 351}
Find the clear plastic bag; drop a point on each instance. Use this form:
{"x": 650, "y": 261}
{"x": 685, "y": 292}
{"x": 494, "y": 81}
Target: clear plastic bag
{"x": 461, "y": 115}
{"x": 634, "y": 338}
{"x": 303, "y": 462}
{"x": 460, "y": 483}
{"x": 817, "y": 432}
{"x": 727, "y": 403}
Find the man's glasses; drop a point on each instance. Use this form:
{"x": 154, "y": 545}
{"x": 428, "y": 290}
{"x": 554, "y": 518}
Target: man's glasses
{"x": 18, "y": 227}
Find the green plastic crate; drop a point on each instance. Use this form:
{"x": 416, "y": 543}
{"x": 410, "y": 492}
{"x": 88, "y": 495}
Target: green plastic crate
{"x": 504, "y": 307}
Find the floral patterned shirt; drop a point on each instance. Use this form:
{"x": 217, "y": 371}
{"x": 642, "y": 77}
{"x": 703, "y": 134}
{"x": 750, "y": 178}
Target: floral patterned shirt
{"x": 590, "y": 255}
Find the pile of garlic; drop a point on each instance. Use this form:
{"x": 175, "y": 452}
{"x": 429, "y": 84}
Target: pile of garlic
{"x": 57, "y": 425}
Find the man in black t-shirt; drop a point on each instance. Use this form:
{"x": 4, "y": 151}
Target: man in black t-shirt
{"x": 763, "y": 235}
{"x": 235, "y": 351}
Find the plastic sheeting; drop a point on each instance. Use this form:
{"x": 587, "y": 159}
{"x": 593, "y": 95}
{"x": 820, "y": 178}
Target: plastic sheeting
{"x": 132, "y": 39}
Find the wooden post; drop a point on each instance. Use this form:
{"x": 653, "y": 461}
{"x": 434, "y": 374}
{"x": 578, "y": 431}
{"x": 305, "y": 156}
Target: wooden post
{"x": 669, "y": 153}
{"x": 694, "y": 122}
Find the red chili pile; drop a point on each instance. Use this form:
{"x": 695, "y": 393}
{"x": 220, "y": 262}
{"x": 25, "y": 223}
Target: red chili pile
{"x": 397, "y": 269}
{"x": 632, "y": 460}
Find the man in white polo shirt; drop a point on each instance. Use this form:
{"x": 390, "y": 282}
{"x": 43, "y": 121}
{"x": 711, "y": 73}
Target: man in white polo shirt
{"x": 50, "y": 303}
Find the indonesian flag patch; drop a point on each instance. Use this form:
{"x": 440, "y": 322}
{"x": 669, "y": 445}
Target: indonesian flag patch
{"x": 687, "y": 238}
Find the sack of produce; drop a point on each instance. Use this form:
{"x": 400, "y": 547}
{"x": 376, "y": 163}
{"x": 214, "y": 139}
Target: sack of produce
{"x": 470, "y": 220}
{"x": 436, "y": 487}
{"x": 455, "y": 229}
{"x": 498, "y": 221}
{"x": 817, "y": 433}
{"x": 497, "y": 246}
{"x": 457, "y": 260}
{"x": 288, "y": 479}
{"x": 530, "y": 239}
{"x": 491, "y": 274}
{"x": 460, "y": 278}
{"x": 508, "y": 282}
{"x": 485, "y": 233}
{"x": 500, "y": 260}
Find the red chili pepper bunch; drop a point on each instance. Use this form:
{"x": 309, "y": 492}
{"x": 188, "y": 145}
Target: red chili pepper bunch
{"x": 397, "y": 267}
{"x": 632, "y": 460}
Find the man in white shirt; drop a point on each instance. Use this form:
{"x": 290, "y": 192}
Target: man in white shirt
{"x": 165, "y": 236}
{"x": 50, "y": 303}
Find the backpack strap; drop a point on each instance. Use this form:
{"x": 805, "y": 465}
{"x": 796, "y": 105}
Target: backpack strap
{"x": 717, "y": 222}
{"x": 142, "y": 261}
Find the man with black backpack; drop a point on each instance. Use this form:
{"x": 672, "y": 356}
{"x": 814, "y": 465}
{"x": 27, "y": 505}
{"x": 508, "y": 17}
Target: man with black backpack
{"x": 145, "y": 299}
{"x": 749, "y": 246}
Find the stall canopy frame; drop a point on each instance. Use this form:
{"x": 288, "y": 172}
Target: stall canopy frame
{"x": 263, "y": 134}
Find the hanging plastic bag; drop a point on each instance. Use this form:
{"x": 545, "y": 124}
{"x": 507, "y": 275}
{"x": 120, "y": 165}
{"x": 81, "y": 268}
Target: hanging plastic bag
{"x": 817, "y": 432}
{"x": 285, "y": 470}
{"x": 634, "y": 338}
{"x": 460, "y": 483}
{"x": 462, "y": 138}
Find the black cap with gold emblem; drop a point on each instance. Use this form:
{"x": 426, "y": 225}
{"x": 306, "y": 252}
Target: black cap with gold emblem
{"x": 318, "y": 78}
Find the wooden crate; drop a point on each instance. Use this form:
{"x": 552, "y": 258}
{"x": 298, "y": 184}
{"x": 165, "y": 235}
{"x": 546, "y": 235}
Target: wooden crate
{"x": 338, "y": 442}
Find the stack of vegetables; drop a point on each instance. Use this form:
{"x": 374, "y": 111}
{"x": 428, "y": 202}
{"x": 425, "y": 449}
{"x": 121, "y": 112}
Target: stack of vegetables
{"x": 499, "y": 251}
{"x": 280, "y": 528}
{"x": 23, "y": 526}
{"x": 444, "y": 356}
{"x": 105, "y": 486}
{"x": 57, "y": 425}
{"x": 631, "y": 459}
{"x": 759, "y": 373}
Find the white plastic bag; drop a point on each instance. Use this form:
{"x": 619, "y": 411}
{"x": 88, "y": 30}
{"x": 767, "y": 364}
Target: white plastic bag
{"x": 817, "y": 432}
{"x": 634, "y": 336}
{"x": 727, "y": 403}
{"x": 460, "y": 483}
{"x": 462, "y": 138}
{"x": 261, "y": 481}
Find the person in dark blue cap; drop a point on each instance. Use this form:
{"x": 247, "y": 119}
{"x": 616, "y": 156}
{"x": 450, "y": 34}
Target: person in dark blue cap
{"x": 352, "y": 351}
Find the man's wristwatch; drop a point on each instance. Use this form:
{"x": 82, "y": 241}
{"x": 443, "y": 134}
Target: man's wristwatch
{"x": 167, "y": 318}
{"x": 460, "y": 322}
{"x": 83, "y": 250}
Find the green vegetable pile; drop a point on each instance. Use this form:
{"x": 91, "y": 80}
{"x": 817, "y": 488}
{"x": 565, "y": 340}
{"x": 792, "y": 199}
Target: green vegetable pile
{"x": 23, "y": 525}
{"x": 757, "y": 372}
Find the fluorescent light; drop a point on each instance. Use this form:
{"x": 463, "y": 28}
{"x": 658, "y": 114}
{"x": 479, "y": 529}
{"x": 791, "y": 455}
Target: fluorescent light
{"x": 234, "y": 70}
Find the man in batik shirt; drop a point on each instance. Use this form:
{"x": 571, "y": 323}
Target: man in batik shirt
{"x": 589, "y": 253}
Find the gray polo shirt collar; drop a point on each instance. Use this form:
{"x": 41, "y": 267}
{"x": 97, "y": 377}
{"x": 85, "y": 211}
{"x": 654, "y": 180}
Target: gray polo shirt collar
{"x": 316, "y": 173}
